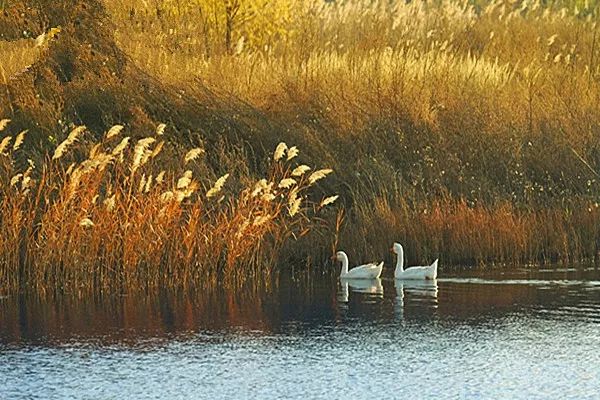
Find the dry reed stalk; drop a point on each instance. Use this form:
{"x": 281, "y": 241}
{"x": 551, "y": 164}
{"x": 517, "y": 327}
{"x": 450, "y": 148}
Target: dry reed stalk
{"x": 445, "y": 134}
{"x": 96, "y": 227}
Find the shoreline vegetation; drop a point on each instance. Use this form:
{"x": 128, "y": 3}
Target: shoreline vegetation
{"x": 104, "y": 215}
{"x": 465, "y": 130}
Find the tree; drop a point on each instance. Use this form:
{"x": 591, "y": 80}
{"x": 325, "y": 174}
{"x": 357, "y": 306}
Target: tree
{"x": 228, "y": 26}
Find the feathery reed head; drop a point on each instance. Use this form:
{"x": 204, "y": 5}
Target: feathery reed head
{"x": 217, "y": 186}
{"x": 114, "y": 131}
{"x": 192, "y": 155}
{"x": 19, "y": 140}
{"x": 280, "y": 151}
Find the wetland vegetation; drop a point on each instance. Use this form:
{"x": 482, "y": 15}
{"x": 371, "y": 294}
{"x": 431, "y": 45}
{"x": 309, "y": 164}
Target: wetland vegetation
{"x": 468, "y": 130}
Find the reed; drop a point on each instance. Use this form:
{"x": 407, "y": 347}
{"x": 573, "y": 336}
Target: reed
{"x": 490, "y": 102}
{"x": 464, "y": 129}
{"x": 498, "y": 236}
{"x": 103, "y": 215}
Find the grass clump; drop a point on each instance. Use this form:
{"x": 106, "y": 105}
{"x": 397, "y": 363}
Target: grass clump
{"x": 467, "y": 130}
{"x": 102, "y": 214}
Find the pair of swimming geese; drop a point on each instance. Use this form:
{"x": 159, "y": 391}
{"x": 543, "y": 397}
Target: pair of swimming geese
{"x": 373, "y": 271}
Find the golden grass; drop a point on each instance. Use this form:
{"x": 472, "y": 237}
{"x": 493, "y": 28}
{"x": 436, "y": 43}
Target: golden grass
{"x": 16, "y": 57}
{"x": 98, "y": 215}
{"x": 492, "y": 101}
{"x": 500, "y": 235}
{"x": 464, "y": 130}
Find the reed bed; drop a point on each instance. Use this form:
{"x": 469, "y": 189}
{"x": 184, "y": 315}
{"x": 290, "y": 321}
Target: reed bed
{"x": 103, "y": 215}
{"x": 497, "y": 236}
{"x": 467, "y": 130}
{"x": 484, "y": 101}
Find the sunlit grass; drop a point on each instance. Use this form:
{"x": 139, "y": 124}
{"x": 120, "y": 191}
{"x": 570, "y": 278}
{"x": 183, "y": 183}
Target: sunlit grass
{"x": 16, "y": 57}
{"x": 500, "y": 235}
{"x": 459, "y": 98}
{"x": 105, "y": 215}
{"x": 468, "y": 131}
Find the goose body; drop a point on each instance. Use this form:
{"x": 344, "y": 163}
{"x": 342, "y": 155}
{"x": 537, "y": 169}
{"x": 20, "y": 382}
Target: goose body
{"x": 420, "y": 272}
{"x": 366, "y": 271}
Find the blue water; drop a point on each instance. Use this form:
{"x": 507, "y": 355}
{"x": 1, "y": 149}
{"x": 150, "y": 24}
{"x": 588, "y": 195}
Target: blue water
{"x": 520, "y": 336}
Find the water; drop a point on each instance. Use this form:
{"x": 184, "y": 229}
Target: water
{"x": 519, "y": 335}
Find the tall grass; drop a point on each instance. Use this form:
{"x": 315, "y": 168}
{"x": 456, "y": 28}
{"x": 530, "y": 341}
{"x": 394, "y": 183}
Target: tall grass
{"x": 16, "y": 56}
{"x": 482, "y": 235}
{"x": 104, "y": 215}
{"x": 486, "y": 102}
{"x": 468, "y": 130}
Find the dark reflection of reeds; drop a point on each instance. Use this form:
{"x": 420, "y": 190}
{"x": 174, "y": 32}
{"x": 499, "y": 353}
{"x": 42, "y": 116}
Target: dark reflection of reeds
{"x": 119, "y": 317}
{"x": 262, "y": 307}
{"x": 288, "y": 304}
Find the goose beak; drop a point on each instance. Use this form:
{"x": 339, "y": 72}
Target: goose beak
{"x": 333, "y": 258}
{"x": 391, "y": 249}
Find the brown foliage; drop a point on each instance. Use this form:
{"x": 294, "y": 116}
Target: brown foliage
{"x": 103, "y": 216}
{"x": 461, "y": 131}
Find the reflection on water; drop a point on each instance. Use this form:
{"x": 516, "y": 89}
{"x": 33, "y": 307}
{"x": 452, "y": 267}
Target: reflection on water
{"x": 422, "y": 295}
{"x": 420, "y": 289}
{"x": 372, "y": 287}
{"x": 516, "y": 335}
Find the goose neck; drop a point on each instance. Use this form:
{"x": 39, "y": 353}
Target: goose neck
{"x": 344, "y": 260}
{"x": 399, "y": 261}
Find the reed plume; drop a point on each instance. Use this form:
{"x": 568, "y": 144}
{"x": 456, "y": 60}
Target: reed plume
{"x": 98, "y": 225}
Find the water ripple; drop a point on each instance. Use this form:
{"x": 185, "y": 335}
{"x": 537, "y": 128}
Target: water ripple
{"x": 455, "y": 338}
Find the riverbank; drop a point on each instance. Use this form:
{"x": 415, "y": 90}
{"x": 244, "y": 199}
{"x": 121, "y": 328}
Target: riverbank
{"x": 468, "y": 132}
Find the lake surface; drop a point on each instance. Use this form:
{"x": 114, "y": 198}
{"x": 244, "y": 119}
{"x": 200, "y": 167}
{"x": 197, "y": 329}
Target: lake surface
{"x": 516, "y": 335}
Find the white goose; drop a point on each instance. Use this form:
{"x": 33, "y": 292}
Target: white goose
{"x": 428, "y": 272}
{"x": 367, "y": 271}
